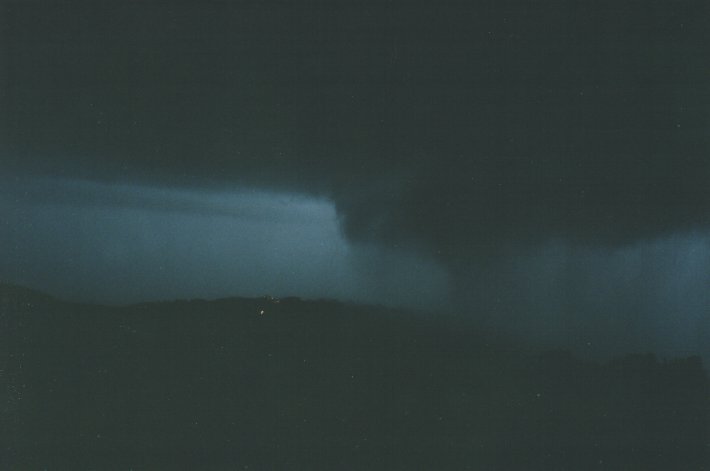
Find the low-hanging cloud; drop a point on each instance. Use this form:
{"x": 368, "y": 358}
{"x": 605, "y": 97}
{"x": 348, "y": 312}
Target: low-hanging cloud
{"x": 112, "y": 243}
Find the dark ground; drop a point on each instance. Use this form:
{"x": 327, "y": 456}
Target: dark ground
{"x": 322, "y": 385}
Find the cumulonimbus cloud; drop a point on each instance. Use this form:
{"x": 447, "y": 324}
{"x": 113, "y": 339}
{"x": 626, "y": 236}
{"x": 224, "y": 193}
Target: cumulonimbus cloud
{"x": 463, "y": 130}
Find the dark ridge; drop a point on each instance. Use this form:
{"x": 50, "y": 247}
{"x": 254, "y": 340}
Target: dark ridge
{"x": 14, "y": 293}
{"x": 265, "y": 383}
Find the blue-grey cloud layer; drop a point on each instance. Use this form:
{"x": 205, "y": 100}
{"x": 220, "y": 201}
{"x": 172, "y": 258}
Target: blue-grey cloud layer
{"x": 127, "y": 243}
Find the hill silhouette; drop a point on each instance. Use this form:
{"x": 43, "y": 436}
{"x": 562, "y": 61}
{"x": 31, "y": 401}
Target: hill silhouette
{"x": 295, "y": 384}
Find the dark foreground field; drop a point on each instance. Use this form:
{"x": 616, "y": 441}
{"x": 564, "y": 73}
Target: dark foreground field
{"x": 258, "y": 384}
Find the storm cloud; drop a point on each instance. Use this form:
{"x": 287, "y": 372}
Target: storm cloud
{"x": 565, "y": 142}
{"x": 458, "y": 128}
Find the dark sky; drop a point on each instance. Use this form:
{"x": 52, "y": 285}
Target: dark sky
{"x": 545, "y": 162}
